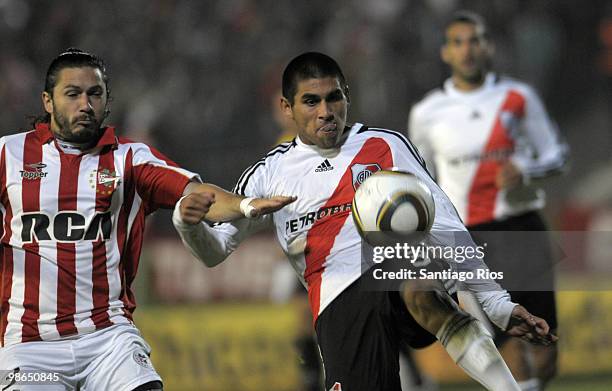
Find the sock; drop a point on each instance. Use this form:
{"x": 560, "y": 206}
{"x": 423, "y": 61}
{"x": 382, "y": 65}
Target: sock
{"x": 472, "y": 348}
{"x": 530, "y": 385}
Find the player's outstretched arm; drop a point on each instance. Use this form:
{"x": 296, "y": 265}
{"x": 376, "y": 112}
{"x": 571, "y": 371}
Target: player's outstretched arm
{"x": 210, "y": 202}
{"x": 213, "y": 244}
{"x": 529, "y": 327}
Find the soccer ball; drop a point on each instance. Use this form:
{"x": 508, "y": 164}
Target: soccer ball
{"x": 393, "y": 204}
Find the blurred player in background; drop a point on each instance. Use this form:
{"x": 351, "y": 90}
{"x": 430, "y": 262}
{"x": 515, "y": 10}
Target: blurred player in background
{"x": 358, "y": 330}
{"x": 487, "y": 139}
{"x": 74, "y": 197}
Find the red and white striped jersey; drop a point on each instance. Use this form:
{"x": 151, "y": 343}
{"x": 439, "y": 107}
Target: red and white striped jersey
{"x": 466, "y": 136}
{"x": 317, "y": 232}
{"x": 72, "y": 230}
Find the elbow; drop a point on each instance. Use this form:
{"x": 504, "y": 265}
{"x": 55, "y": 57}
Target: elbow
{"x": 208, "y": 246}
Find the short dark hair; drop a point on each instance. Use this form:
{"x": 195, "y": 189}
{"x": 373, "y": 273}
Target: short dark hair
{"x": 465, "y": 16}
{"x": 308, "y": 66}
{"x": 71, "y": 58}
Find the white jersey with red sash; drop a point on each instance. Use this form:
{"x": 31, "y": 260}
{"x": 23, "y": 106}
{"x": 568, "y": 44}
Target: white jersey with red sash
{"x": 465, "y": 137}
{"x": 317, "y": 232}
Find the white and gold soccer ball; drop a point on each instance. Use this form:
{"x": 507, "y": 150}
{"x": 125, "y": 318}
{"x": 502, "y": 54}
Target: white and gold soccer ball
{"x": 393, "y": 204}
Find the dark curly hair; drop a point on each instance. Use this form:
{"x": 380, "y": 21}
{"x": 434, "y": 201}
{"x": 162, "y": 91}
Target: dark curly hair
{"x": 71, "y": 58}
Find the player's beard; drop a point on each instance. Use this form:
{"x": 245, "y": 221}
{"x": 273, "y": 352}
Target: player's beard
{"x": 475, "y": 77}
{"x": 74, "y": 133}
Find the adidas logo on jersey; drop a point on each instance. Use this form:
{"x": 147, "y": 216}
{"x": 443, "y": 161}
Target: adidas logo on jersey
{"x": 325, "y": 166}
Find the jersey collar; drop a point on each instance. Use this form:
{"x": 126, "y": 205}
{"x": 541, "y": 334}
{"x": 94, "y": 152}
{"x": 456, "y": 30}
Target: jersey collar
{"x": 451, "y": 90}
{"x": 45, "y": 135}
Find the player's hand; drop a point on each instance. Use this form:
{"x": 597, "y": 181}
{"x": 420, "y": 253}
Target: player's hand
{"x": 264, "y": 206}
{"x": 529, "y": 327}
{"x": 194, "y": 207}
{"x": 508, "y": 176}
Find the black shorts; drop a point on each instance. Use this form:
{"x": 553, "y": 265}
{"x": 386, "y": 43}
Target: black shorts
{"x": 360, "y": 333}
{"x": 520, "y": 247}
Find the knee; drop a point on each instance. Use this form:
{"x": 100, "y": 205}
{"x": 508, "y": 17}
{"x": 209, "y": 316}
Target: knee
{"x": 427, "y": 304}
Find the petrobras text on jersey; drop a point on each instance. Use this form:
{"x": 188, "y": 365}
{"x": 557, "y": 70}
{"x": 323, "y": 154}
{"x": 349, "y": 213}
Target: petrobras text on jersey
{"x": 307, "y": 220}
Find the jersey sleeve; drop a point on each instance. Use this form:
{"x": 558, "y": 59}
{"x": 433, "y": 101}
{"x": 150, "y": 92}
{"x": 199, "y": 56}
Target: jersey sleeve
{"x": 542, "y": 152}
{"x": 212, "y": 244}
{"x": 254, "y": 180}
{"x": 419, "y": 135}
{"x": 159, "y": 181}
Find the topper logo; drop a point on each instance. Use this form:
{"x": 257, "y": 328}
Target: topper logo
{"x": 33, "y": 171}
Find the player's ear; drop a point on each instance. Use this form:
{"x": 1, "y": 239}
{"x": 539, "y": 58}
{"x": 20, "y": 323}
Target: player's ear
{"x": 285, "y": 107}
{"x": 47, "y": 102}
{"x": 444, "y": 53}
{"x": 107, "y": 112}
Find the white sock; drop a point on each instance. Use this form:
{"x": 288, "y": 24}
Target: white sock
{"x": 530, "y": 385}
{"x": 472, "y": 348}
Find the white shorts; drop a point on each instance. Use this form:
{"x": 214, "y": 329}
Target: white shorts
{"x": 114, "y": 358}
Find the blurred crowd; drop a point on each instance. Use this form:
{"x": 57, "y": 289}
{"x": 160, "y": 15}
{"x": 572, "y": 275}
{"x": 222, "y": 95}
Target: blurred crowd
{"x": 199, "y": 79}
